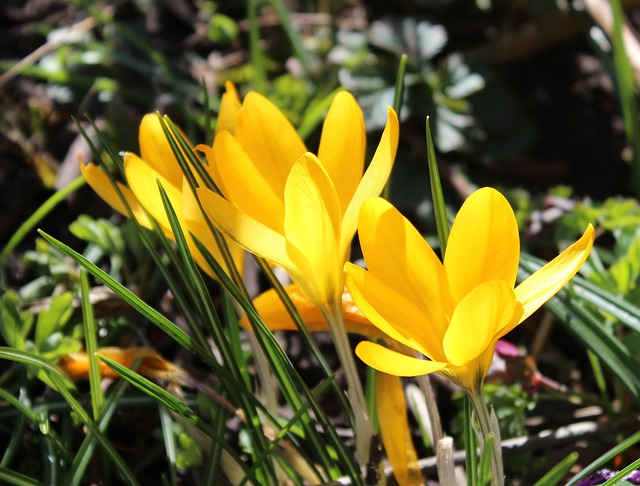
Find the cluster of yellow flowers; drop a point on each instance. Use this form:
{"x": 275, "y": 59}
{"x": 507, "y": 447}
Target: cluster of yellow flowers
{"x": 301, "y": 211}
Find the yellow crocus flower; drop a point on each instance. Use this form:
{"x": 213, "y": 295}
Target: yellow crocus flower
{"x": 299, "y": 210}
{"x": 157, "y": 163}
{"x": 289, "y": 206}
{"x": 451, "y": 313}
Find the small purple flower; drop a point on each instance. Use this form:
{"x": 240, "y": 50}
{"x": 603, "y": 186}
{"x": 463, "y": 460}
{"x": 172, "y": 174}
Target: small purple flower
{"x": 603, "y": 475}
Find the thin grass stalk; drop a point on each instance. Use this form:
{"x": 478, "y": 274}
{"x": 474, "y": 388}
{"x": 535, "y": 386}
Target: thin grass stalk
{"x": 622, "y": 473}
{"x": 84, "y": 453}
{"x": 91, "y": 345}
{"x": 38, "y": 215}
{"x": 398, "y": 95}
{"x": 306, "y": 335}
{"x": 258, "y": 64}
{"x": 33, "y": 417}
{"x": 169, "y": 277}
{"x": 166, "y": 426}
{"x": 605, "y": 458}
{"x": 214, "y": 324}
{"x": 293, "y": 33}
{"x": 558, "y": 472}
{"x": 291, "y": 384}
{"x": 627, "y": 87}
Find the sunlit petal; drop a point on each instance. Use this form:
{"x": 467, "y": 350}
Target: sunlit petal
{"x": 311, "y": 223}
{"x": 156, "y": 151}
{"x": 229, "y": 107}
{"x": 100, "y": 183}
{"x": 197, "y": 225}
{"x": 263, "y": 202}
{"x": 392, "y": 312}
{"x": 394, "y": 428}
{"x": 143, "y": 181}
{"x": 394, "y": 363}
{"x": 268, "y": 138}
{"x": 342, "y": 146}
{"x": 547, "y": 281}
{"x": 246, "y": 231}
{"x": 399, "y": 256}
{"x": 374, "y": 179}
{"x": 476, "y": 320}
{"x": 484, "y": 243}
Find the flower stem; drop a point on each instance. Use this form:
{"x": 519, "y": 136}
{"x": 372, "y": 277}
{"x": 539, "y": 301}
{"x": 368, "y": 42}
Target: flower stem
{"x": 485, "y": 424}
{"x": 363, "y": 428}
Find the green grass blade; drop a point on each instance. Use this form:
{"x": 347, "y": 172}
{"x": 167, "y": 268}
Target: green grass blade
{"x": 166, "y": 426}
{"x": 109, "y": 450}
{"x": 32, "y": 416}
{"x": 91, "y": 343}
{"x": 622, "y": 473}
{"x": 581, "y": 320}
{"x": 605, "y": 458}
{"x": 84, "y": 453}
{"x": 626, "y": 81}
{"x": 12, "y": 477}
{"x": 291, "y": 383}
{"x": 470, "y": 444}
{"x": 139, "y": 305}
{"x": 293, "y": 33}
{"x": 558, "y": 472}
{"x": 439, "y": 207}
{"x": 39, "y": 214}
{"x": 172, "y": 402}
{"x": 258, "y": 61}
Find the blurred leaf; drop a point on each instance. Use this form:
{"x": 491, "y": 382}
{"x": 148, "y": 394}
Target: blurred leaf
{"x": 53, "y": 318}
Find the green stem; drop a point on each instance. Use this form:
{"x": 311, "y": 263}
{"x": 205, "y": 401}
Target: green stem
{"x": 484, "y": 422}
{"x": 364, "y": 429}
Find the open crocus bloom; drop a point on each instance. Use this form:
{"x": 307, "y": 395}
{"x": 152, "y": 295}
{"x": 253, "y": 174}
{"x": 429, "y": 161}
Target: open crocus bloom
{"x": 157, "y": 163}
{"x": 289, "y": 206}
{"x": 452, "y": 313}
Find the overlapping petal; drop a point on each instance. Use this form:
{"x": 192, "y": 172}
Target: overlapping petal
{"x": 397, "y": 254}
{"x": 374, "y": 178}
{"x": 482, "y": 312}
{"x": 268, "y": 138}
{"x": 484, "y": 243}
{"x": 156, "y": 151}
{"x": 264, "y": 202}
{"x": 100, "y": 183}
{"x": 342, "y": 146}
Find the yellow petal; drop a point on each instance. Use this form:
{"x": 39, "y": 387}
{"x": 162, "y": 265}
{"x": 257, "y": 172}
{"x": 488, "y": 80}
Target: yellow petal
{"x": 196, "y": 224}
{"x": 250, "y": 234}
{"x": 477, "y": 319}
{"x": 342, "y": 146}
{"x": 268, "y": 138}
{"x": 143, "y": 181}
{"x": 277, "y": 318}
{"x": 245, "y": 184}
{"x": 484, "y": 243}
{"x": 392, "y": 312}
{"x": 394, "y": 363}
{"x": 399, "y": 256}
{"x": 547, "y": 281}
{"x": 156, "y": 151}
{"x": 374, "y": 179}
{"x": 312, "y": 225}
{"x": 100, "y": 183}
{"x": 229, "y": 106}
{"x": 394, "y": 430}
